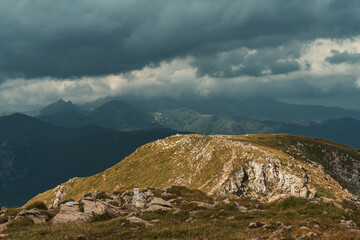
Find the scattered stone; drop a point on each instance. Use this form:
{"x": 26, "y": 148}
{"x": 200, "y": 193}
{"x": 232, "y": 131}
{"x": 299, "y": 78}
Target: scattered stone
{"x": 226, "y": 201}
{"x": 304, "y": 228}
{"x": 81, "y": 237}
{"x": 279, "y": 223}
{"x": 135, "y": 219}
{"x": 317, "y": 226}
{"x": 266, "y": 226}
{"x": 241, "y": 208}
{"x": 256, "y": 225}
{"x": 311, "y": 234}
{"x": 166, "y": 194}
{"x": 3, "y": 210}
{"x": 158, "y": 204}
{"x": 279, "y": 231}
{"x": 348, "y": 224}
{"x": 3, "y": 235}
{"x": 231, "y": 218}
{"x": 189, "y": 219}
{"x": 356, "y": 231}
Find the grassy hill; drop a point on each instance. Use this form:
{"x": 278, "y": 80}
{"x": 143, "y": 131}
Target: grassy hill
{"x": 274, "y": 165}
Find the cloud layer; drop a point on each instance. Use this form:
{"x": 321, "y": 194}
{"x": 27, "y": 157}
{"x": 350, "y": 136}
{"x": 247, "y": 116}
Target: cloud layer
{"x": 69, "y": 49}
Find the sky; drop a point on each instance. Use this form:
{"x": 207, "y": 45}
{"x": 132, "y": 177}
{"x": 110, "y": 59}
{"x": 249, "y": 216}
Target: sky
{"x": 305, "y": 52}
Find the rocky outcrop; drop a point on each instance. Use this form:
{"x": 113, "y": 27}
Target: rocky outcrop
{"x": 158, "y": 204}
{"x": 36, "y": 215}
{"x": 88, "y": 207}
{"x": 71, "y": 212}
{"x": 269, "y": 181}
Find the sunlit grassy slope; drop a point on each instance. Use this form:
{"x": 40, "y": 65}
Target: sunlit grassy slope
{"x": 205, "y": 162}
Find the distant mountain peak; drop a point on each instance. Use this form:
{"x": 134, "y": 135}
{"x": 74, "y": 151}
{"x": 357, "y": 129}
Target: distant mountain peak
{"x": 58, "y": 107}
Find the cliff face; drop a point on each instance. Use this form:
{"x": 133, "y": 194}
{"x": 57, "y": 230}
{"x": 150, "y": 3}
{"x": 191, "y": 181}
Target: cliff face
{"x": 264, "y": 167}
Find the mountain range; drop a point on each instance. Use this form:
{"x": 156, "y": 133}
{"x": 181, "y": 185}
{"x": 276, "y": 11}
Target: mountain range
{"x": 215, "y": 116}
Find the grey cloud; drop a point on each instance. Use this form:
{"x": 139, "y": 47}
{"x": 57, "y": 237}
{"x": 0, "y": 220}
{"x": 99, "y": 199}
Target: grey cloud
{"x": 343, "y": 57}
{"x": 84, "y": 37}
{"x": 261, "y": 62}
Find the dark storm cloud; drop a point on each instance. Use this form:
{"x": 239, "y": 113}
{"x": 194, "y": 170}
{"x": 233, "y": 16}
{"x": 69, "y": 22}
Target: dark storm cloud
{"x": 343, "y": 57}
{"x": 87, "y": 37}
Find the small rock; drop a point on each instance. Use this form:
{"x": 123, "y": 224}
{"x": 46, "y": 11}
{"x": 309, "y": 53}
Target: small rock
{"x": 147, "y": 225}
{"x": 279, "y": 223}
{"x": 256, "y": 225}
{"x": 241, "y": 208}
{"x": 81, "y": 237}
{"x": 226, "y": 201}
{"x": 281, "y": 230}
{"x": 266, "y": 226}
{"x": 189, "y": 219}
{"x": 134, "y": 219}
{"x": 158, "y": 204}
{"x": 317, "y": 226}
{"x": 348, "y": 224}
{"x": 288, "y": 227}
{"x": 3, "y": 210}
{"x": 231, "y": 218}
{"x": 3, "y": 235}
{"x": 304, "y": 228}
{"x": 166, "y": 194}
{"x": 311, "y": 234}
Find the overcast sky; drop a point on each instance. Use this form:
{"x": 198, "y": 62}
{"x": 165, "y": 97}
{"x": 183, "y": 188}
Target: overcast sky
{"x": 304, "y": 51}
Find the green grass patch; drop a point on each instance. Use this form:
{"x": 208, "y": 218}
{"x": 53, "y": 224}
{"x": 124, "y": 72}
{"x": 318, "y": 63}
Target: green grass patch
{"x": 102, "y": 217}
{"x": 20, "y": 223}
{"x": 322, "y": 192}
{"x": 102, "y": 196}
{"x": 38, "y": 204}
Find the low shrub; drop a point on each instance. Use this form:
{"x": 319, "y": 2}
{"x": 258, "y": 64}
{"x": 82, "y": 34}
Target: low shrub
{"x": 291, "y": 203}
{"x": 102, "y": 217}
{"x": 12, "y": 211}
{"x": 102, "y": 196}
{"x": 38, "y": 205}
{"x": 21, "y": 222}
{"x": 3, "y": 219}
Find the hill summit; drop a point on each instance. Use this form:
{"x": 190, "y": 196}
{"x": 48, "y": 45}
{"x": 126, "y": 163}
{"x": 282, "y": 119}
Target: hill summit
{"x": 263, "y": 167}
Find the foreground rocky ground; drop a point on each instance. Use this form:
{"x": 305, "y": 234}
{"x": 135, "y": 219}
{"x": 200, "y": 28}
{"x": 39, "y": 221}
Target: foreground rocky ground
{"x": 181, "y": 213}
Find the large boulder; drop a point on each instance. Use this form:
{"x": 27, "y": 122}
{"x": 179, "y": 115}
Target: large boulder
{"x": 71, "y": 212}
{"x": 158, "y": 204}
{"x": 36, "y": 215}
